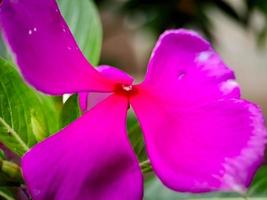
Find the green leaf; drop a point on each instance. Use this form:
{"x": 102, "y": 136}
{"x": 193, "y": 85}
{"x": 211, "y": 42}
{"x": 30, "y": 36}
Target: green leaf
{"x": 70, "y": 111}
{"x": 136, "y": 137}
{"x": 26, "y": 116}
{"x": 6, "y": 194}
{"x": 3, "y": 49}
{"x": 84, "y": 22}
{"x": 259, "y": 184}
{"x": 2, "y": 154}
{"x": 10, "y": 173}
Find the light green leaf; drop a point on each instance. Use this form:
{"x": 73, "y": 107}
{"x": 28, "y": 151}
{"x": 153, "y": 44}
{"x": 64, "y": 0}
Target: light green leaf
{"x": 84, "y": 22}
{"x": 26, "y": 116}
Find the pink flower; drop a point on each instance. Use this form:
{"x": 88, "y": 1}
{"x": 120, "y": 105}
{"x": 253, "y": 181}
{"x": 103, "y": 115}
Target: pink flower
{"x": 200, "y": 135}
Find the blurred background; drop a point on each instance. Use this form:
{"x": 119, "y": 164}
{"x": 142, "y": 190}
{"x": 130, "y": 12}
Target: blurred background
{"x": 237, "y": 29}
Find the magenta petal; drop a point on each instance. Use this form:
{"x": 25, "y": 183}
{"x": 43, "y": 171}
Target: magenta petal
{"x": 45, "y": 50}
{"x": 184, "y": 62}
{"x": 91, "y": 159}
{"x": 89, "y": 100}
{"x": 83, "y": 101}
{"x": 115, "y": 74}
{"x": 216, "y": 146}
{"x": 199, "y": 135}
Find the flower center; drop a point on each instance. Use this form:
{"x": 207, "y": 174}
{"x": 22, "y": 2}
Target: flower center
{"x": 126, "y": 90}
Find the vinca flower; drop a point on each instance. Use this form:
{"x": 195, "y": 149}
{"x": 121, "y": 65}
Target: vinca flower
{"x": 200, "y": 135}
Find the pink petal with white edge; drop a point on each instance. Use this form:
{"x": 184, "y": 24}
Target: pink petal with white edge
{"x": 185, "y": 63}
{"x": 45, "y": 49}
{"x": 217, "y": 146}
{"x": 89, "y": 100}
{"x": 199, "y": 135}
{"x": 90, "y": 159}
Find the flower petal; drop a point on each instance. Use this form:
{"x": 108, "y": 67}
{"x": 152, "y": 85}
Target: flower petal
{"x": 199, "y": 135}
{"x": 89, "y": 100}
{"x": 184, "y": 62}
{"x": 89, "y": 159}
{"x": 216, "y": 146}
{"x": 45, "y": 49}
{"x": 115, "y": 74}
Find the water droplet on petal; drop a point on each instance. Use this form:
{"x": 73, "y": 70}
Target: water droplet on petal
{"x": 30, "y": 32}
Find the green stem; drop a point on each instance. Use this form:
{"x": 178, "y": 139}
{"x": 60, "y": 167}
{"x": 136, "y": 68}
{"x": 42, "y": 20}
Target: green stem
{"x": 145, "y": 166}
{"x": 147, "y": 170}
{"x": 14, "y": 134}
{"x": 144, "y": 163}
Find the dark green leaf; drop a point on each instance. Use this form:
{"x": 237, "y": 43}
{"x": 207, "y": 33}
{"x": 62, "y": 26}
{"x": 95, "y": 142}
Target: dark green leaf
{"x": 10, "y": 174}
{"x": 259, "y": 185}
{"x": 6, "y": 194}
{"x": 70, "y": 110}
{"x": 2, "y": 154}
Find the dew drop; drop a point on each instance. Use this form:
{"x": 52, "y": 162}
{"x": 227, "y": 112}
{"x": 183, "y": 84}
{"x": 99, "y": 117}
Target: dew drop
{"x": 30, "y": 32}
